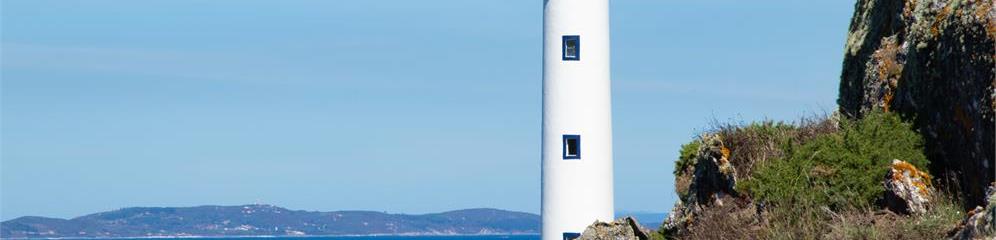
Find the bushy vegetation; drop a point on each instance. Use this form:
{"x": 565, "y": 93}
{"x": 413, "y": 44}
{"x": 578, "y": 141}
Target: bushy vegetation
{"x": 756, "y": 143}
{"x": 819, "y": 178}
{"x": 840, "y": 170}
{"x": 686, "y": 156}
{"x": 836, "y": 172}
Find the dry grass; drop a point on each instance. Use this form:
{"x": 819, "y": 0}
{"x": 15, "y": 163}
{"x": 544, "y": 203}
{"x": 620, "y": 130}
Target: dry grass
{"x": 822, "y": 223}
{"x": 737, "y": 220}
{"x": 751, "y": 145}
{"x": 937, "y": 223}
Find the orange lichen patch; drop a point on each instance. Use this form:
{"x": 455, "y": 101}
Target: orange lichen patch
{"x": 889, "y": 70}
{"x": 901, "y": 167}
{"x": 936, "y": 25}
{"x": 725, "y": 151}
{"x": 991, "y": 30}
{"x": 984, "y": 11}
{"x": 972, "y": 212}
{"x": 889, "y": 67}
{"x": 922, "y": 188}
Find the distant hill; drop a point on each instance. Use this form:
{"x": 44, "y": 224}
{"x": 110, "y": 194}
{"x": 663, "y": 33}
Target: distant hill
{"x": 267, "y": 220}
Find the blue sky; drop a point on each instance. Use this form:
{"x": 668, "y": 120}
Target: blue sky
{"x": 398, "y": 106}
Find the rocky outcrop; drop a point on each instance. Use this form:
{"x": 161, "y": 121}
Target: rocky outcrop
{"x": 907, "y": 189}
{"x": 621, "y": 229}
{"x": 931, "y": 61}
{"x": 981, "y": 221}
{"x": 714, "y": 174}
{"x": 679, "y": 218}
{"x": 712, "y": 183}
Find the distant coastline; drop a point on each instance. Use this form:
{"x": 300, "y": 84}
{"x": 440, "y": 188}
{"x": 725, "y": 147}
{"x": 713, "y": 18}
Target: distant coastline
{"x": 287, "y": 236}
{"x": 267, "y": 221}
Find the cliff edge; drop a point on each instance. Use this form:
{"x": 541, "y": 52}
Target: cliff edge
{"x": 931, "y": 61}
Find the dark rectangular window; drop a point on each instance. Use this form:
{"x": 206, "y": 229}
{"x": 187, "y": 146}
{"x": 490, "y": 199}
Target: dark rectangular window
{"x": 571, "y": 236}
{"x": 572, "y": 146}
{"x": 572, "y": 48}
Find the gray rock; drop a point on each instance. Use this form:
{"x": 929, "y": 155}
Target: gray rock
{"x": 679, "y": 218}
{"x": 981, "y": 221}
{"x": 621, "y": 229}
{"x": 932, "y": 61}
{"x": 713, "y": 180}
{"x": 907, "y": 189}
{"x": 714, "y": 174}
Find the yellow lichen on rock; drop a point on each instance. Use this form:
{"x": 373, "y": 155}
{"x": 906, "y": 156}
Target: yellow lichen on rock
{"x": 907, "y": 188}
{"x": 898, "y": 165}
{"x": 725, "y": 151}
{"x": 889, "y": 69}
{"x": 724, "y": 162}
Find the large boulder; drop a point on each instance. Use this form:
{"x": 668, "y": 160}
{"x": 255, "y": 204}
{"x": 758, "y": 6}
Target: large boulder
{"x": 621, "y": 229}
{"x": 932, "y": 61}
{"x": 712, "y": 181}
{"x": 907, "y": 189}
{"x": 714, "y": 174}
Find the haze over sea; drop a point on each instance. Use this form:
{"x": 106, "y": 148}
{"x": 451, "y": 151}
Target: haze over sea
{"x": 483, "y": 237}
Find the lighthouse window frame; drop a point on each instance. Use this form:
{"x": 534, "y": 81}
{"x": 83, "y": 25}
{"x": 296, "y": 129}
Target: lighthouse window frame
{"x": 571, "y": 48}
{"x": 571, "y": 235}
{"x": 572, "y": 147}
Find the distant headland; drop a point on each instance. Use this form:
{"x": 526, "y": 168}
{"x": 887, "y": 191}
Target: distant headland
{"x": 268, "y": 220}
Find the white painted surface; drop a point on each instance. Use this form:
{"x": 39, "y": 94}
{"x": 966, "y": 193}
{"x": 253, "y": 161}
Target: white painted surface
{"x": 576, "y": 100}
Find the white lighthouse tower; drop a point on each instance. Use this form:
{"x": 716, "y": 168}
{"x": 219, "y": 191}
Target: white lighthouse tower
{"x": 577, "y": 117}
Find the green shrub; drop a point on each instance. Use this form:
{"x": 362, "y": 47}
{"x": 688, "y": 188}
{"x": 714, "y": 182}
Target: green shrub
{"x": 840, "y": 170}
{"x": 658, "y": 235}
{"x": 820, "y": 179}
{"x": 687, "y": 157}
{"x": 755, "y": 143}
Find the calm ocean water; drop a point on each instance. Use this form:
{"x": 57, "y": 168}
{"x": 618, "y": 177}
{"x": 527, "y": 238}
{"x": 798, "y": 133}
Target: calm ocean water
{"x": 495, "y": 237}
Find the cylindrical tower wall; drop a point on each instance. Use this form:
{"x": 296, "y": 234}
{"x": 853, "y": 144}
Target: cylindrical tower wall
{"x": 577, "y": 117}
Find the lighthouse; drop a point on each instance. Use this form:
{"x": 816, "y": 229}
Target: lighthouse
{"x": 577, "y": 117}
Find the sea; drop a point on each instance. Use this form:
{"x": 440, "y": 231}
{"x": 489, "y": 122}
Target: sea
{"x": 467, "y": 237}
